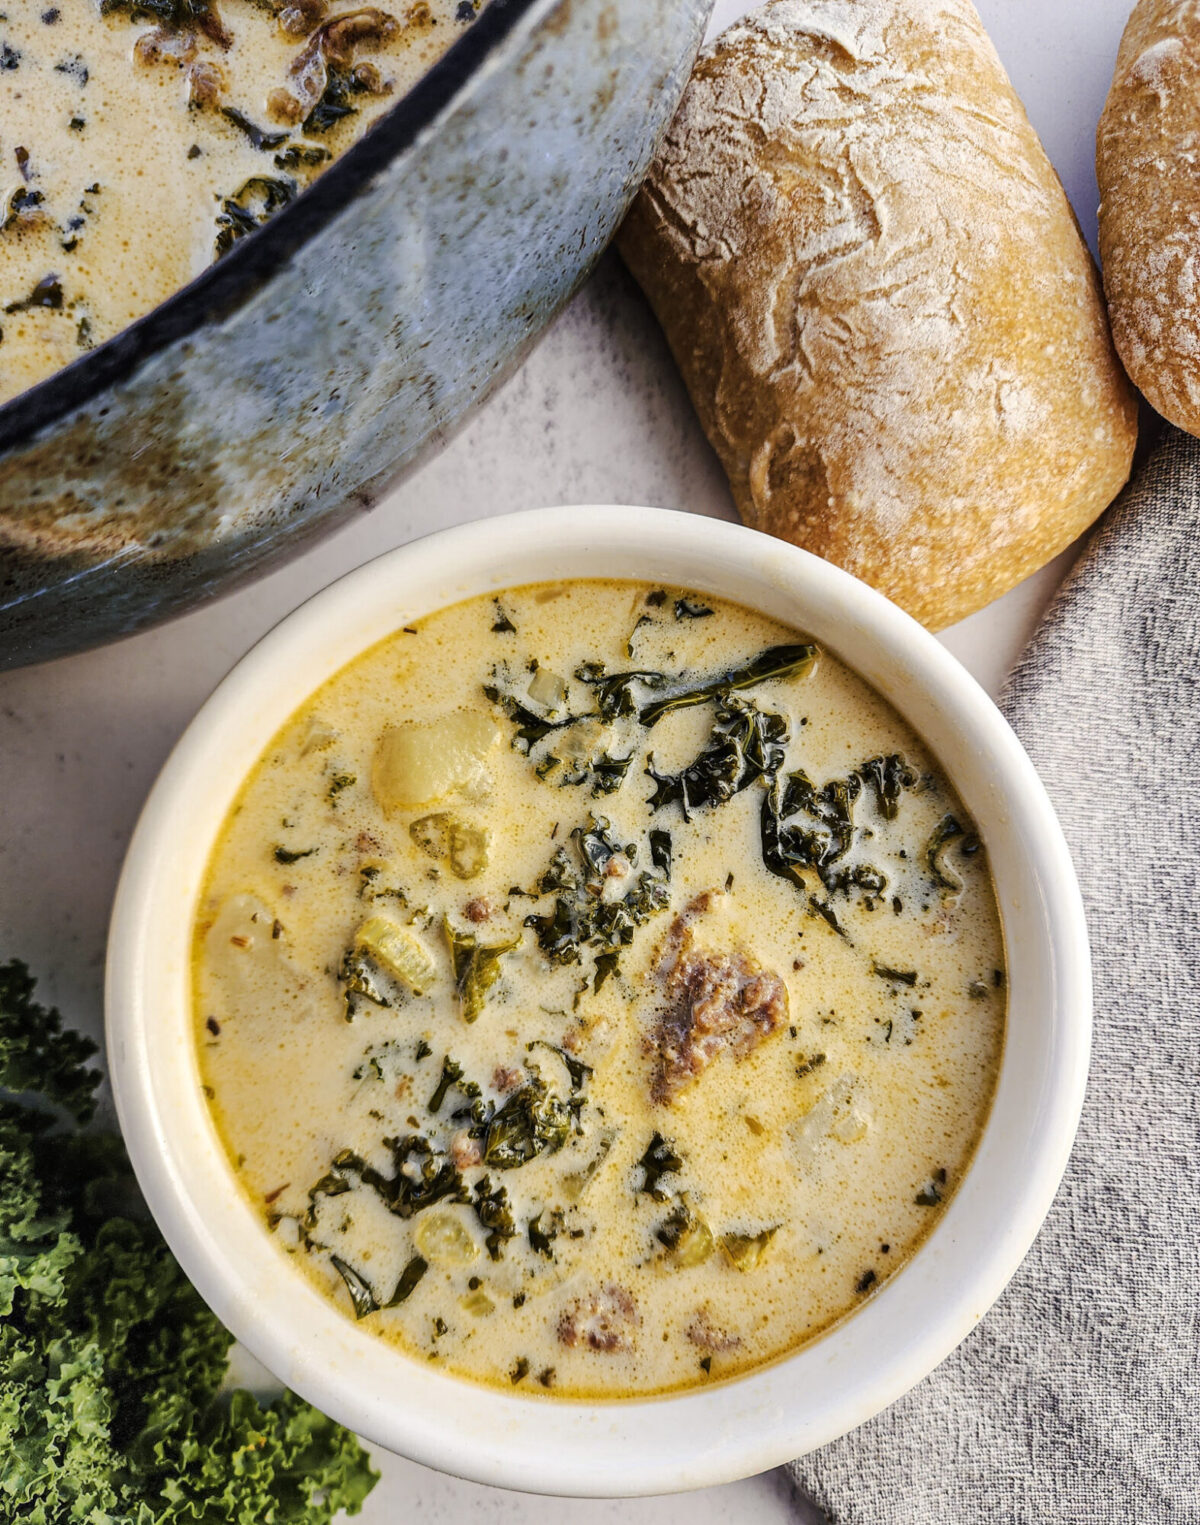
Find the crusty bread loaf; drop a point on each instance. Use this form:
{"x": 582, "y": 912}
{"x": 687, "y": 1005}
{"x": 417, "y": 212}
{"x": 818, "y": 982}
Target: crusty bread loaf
{"x": 880, "y": 301}
{"x": 1146, "y": 163}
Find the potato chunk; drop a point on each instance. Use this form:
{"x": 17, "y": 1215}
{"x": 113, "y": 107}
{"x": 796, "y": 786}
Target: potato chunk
{"x": 418, "y": 762}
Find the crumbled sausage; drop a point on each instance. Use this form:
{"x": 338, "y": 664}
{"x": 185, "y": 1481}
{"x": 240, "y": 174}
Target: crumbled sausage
{"x": 465, "y": 1151}
{"x": 478, "y": 910}
{"x": 714, "y": 1001}
{"x": 205, "y": 83}
{"x": 603, "y": 1320}
{"x": 505, "y": 1078}
{"x": 705, "y": 1334}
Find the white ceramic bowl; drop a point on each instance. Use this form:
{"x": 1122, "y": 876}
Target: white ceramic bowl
{"x": 647, "y": 1445}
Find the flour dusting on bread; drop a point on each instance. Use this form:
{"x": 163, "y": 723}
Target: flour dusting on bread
{"x": 880, "y": 301}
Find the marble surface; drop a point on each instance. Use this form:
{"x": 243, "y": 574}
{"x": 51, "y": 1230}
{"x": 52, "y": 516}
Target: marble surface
{"x": 596, "y": 415}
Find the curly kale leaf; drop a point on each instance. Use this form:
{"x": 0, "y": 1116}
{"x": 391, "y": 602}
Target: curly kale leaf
{"x": 36, "y": 1054}
{"x": 111, "y": 1366}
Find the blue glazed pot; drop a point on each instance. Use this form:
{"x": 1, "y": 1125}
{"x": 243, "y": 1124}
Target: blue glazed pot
{"x": 278, "y": 392}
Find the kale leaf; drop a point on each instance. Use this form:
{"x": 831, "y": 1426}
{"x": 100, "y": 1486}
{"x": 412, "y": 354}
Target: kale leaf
{"x": 746, "y": 744}
{"x": 111, "y": 1367}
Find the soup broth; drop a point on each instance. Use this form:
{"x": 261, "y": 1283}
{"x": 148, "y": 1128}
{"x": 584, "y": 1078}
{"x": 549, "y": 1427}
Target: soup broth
{"x": 599, "y": 990}
{"x": 142, "y": 138}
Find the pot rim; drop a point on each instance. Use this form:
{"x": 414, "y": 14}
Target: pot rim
{"x": 695, "y": 1437}
{"x": 223, "y": 285}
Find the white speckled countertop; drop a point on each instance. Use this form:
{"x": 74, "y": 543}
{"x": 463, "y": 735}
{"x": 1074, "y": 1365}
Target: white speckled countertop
{"x": 596, "y": 415}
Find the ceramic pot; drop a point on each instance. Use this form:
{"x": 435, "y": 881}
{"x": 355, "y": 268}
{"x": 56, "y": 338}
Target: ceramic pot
{"x": 278, "y": 392}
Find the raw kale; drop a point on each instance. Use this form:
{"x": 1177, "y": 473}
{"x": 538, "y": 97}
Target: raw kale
{"x": 36, "y": 1054}
{"x": 249, "y": 207}
{"x": 659, "y": 1160}
{"x": 615, "y": 692}
{"x": 112, "y": 1398}
{"x": 476, "y": 968}
{"x": 746, "y": 744}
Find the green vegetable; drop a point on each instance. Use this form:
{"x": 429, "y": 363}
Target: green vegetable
{"x": 257, "y": 136}
{"x": 659, "y": 1160}
{"x": 582, "y": 916}
{"x": 408, "y": 1280}
{"x": 249, "y": 207}
{"x": 397, "y": 951}
{"x": 888, "y": 777}
{"x": 746, "y": 744}
{"x": 615, "y": 691}
{"x": 689, "y": 609}
{"x": 745, "y": 1251}
{"x": 429, "y": 1177}
{"x": 803, "y": 828}
{"x": 541, "y": 1240}
{"x": 360, "y": 977}
{"x": 111, "y": 1367}
{"x": 174, "y": 16}
{"x": 494, "y": 1213}
{"x": 502, "y": 625}
{"x": 945, "y": 877}
{"x": 36, "y": 1054}
{"x": 896, "y": 976}
{"x": 286, "y": 855}
{"x": 359, "y": 1288}
{"x": 476, "y": 968}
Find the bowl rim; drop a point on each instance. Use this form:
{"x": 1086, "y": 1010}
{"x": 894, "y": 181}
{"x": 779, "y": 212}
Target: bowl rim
{"x": 222, "y": 286}
{"x": 696, "y": 1437}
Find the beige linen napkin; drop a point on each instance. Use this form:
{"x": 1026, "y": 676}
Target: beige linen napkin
{"x": 1078, "y": 1397}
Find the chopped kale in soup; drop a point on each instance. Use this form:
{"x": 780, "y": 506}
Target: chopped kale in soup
{"x": 599, "y": 990}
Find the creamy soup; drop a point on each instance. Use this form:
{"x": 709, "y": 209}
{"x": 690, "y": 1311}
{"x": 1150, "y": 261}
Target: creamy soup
{"x": 598, "y": 989}
{"x": 140, "y": 139}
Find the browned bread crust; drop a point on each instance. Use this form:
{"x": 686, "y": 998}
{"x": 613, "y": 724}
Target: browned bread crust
{"x": 878, "y": 296}
{"x": 1146, "y": 156}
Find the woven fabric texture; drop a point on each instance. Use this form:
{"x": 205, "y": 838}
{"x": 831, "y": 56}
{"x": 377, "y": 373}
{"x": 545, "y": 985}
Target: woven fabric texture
{"x": 1077, "y": 1399}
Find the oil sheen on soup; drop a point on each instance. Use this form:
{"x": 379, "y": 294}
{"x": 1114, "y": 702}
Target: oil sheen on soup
{"x": 142, "y": 138}
{"x": 598, "y": 989}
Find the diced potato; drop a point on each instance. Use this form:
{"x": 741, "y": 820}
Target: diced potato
{"x": 445, "y": 1240}
{"x": 398, "y": 951}
{"x": 418, "y": 762}
{"x": 247, "y": 954}
{"x": 478, "y": 1304}
{"x": 317, "y": 735}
